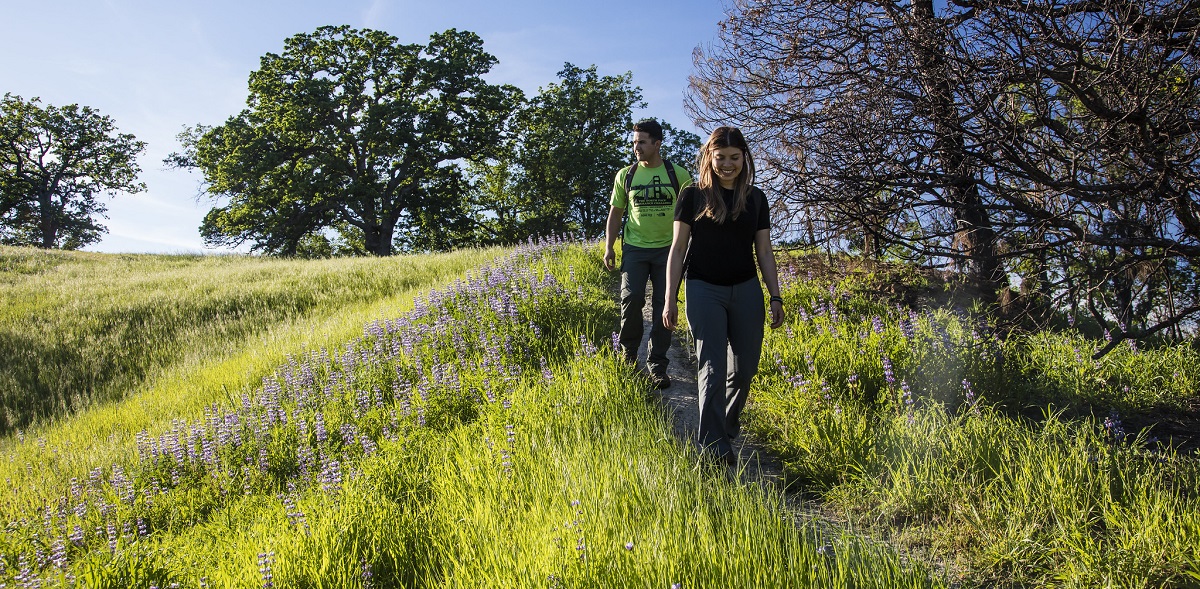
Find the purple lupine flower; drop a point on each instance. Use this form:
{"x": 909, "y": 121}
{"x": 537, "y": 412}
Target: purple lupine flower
{"x": 58, "y": 554}
{"x": 123, "y": 485}
{"x": 877, "y": 324}
{"x": 349, "y": 433}
{"x": 208, "y": 450}
{"x": 110, "y": 530}
{"x": 586, "y": 345}
{"x": 25, "y": 575}
{"x": 968, "y": 392}
{"x": 265, "y": 561}
{"x": 77, "y": 535}
{"x": 367, "y": 576}
{"x": 368, "y": 446}
{"x": 1113, "y": 427}
{"x": 888, "y": 375}
{"x": 319, "y": 427}
{"x": 331, "y": 476}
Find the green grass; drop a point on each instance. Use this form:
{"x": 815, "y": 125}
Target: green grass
{"x": 486, "y": 437}
{"x": 1005, "y": 459}
{"x": 218, "y": 325}
{"x": 370, "y": 423}
{"x": 80, "y": 330}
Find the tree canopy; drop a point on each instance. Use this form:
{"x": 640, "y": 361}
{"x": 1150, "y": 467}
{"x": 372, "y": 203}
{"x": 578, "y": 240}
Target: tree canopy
{"x": 567, "y": 143}
{"x": 352, "y": 133}
{"x": 54, "y": 163}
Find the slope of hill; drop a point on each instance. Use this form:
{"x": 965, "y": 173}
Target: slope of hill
{"x": 461, "y": 420}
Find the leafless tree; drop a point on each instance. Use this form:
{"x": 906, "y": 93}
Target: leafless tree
{"x": 1053, "y": 142}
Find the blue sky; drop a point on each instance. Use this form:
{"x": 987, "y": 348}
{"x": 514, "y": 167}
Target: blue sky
{"x": 155, "y": 66}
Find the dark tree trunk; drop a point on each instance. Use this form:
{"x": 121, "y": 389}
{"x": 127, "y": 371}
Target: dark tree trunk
{"x": 49, "y": 220}
{"x": 974, "y": 236}
{"x": 378, "y": 238}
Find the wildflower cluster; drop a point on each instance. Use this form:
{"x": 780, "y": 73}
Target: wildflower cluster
{"x": 847, "y": 349}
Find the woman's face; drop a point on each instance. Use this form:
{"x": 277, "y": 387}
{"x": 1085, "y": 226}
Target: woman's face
{"x": 727, "y": 163}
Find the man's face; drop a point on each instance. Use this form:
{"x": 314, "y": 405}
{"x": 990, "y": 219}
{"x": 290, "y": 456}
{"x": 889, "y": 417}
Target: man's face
{"x": 644, "y": 146}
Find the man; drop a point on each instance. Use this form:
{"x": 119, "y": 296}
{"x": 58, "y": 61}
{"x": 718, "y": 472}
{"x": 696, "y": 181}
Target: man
{"x": 649, "y": 197}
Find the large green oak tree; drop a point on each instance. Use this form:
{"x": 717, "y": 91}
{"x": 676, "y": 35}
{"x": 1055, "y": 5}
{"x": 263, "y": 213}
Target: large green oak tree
{"x": 351, "y": 133}
{"x": 54, "y": 163}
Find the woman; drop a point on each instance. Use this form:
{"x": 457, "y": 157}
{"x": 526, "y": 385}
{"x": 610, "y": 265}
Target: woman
{"x": 722, "y": 224}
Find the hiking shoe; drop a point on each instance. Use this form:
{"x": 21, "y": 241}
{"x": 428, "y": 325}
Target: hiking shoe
{"x": 660, "y": 381}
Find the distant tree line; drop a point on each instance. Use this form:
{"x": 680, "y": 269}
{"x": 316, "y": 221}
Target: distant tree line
{"x": 1046, "y": 150}
{"x": 351, "y": 143}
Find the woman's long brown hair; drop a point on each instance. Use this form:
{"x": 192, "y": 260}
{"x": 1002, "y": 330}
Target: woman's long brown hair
{"x": 713, "y": 205}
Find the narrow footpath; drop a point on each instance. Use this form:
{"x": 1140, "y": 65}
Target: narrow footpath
{"x": 756, "y": 464}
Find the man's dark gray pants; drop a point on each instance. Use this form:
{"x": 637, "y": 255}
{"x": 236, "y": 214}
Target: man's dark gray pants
{"x": 727, "y": 325}
{"x": 638, "y": 265}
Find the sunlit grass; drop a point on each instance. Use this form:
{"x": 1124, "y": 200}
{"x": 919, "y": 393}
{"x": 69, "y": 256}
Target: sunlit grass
{"x": 187, "y": 357}
{"x": 487, "y": 437}
{"x": 926, "y": 428}
{"x": 79, "y": 330}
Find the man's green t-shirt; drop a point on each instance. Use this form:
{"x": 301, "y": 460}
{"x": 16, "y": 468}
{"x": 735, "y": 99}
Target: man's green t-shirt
{"x": 650, "y": 208}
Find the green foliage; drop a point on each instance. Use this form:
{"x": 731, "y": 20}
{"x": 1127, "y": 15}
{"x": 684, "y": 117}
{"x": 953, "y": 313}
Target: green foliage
{"x": 681, "y": 147}
{"x": 54, "y": 163}
{"x": 352, "y": 131}
{"x": 556, "y": 173}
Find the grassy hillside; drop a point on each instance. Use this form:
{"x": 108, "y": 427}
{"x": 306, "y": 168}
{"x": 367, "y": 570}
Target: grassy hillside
{"x": 79, "y": 330}
{"x": 200, "y": 330}
{"x": 398, "y": 423}
{"x": 485, "y": 436}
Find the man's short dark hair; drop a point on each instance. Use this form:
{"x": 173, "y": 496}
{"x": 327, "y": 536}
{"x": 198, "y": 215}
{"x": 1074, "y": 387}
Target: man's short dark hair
{"x": 650, "y": 127}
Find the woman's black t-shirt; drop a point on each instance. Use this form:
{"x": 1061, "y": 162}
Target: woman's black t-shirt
{"x": 722, "y": 253}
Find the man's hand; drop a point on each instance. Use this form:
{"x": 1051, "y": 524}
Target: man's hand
{"x": 610, "y": 258}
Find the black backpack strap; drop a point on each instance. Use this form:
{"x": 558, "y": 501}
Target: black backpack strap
{"x": 671, "y": 175}
{"x": 629, "y": 187}
{"x": 629, "y": 183}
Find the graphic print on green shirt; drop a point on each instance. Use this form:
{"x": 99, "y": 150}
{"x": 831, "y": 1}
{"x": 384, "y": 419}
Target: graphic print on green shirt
{"x": 650, "y": 204}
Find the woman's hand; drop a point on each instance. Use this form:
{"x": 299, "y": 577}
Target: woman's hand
{"x": 670, "y": 314}
{"x": 776, "y": 314}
